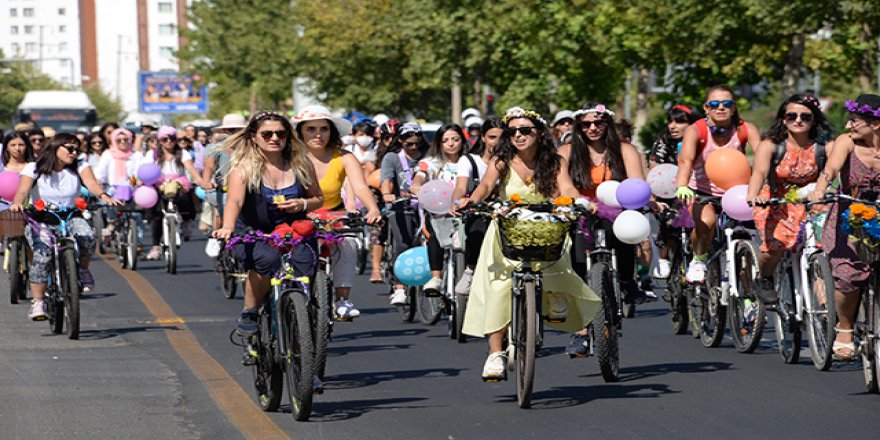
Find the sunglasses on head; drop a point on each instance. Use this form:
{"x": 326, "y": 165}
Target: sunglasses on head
{"x": 525, "y": 131}
{"x": 805, "y": 117}
{"x": 727, "y": 103}
{"x": 599, "y": 123}
{"x": 267, "y": 134}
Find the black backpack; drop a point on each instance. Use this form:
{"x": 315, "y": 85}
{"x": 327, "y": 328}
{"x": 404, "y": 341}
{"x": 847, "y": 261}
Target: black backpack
{"x": 779, "y": 153}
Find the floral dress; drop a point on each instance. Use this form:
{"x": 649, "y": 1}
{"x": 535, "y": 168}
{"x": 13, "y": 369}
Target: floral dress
{"x": 850, "y": 272}
{"x": 489, "y": 305}
{"x": 780, "y": 225}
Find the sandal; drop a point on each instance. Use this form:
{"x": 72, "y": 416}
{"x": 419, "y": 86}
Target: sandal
{"x": 843, "y": 351}
{"x": 376, "y": 277}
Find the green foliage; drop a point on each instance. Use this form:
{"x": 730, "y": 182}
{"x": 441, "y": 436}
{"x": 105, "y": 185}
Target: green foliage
{"x": 107, "y": 107}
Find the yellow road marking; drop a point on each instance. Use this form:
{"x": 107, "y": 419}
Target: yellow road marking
{"x": 232, "y": 400}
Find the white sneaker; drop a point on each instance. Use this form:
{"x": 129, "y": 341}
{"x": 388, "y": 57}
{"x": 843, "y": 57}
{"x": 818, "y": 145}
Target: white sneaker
{"x": 493, "y": 369}
{"x": 433, "y": 286}
{"x": 345, "y": 310}
{"x": 463, "y": 287}
{"x": 38, "y": 311}
{"x": 662, "y": 269}
{"x": 398, "y": 298}
{"x": 558, "y": 307}
{"x": 696, "y": 273}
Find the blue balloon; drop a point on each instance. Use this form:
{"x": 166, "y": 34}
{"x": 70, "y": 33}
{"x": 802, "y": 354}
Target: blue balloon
{"x": 200, "y": 192}
{"x": 412, "y": 267}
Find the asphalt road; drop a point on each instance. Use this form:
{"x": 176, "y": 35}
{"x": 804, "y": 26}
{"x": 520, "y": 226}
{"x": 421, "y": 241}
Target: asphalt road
{"x": 155, "y": 362}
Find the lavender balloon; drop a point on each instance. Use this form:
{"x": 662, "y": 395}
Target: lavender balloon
{"x": 436, "y": 196}
{"x": 149, "y": 173}
{"x": 146, "y": 197}
{"x": 735, "y": 204}
{"x": 633, "y": 193}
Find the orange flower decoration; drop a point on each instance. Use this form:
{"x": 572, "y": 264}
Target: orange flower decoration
{"x": 515, "y": 198}
{"x": 858, "y": 209}
{"x": 563, "y": 201}
{"x": 40, "y": 204}
{"x": 869, "y": 214}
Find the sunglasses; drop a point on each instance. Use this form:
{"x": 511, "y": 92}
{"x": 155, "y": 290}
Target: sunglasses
{"x": 267, "y": 134}
{"x": 97, "y": 143}
{"x": 410, "y": 144}
{"x": 37, "y": 139}
{"x": 599, "y": 123}
{"x": 805, "y": 117}
{"x": 166, "y": 139}
{"x": 71, "y": 148}
{"x": 727, "y": 103}
{"x": 525, "y": 131}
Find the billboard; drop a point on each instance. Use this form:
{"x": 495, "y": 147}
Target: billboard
{"x": 171, "y": 92}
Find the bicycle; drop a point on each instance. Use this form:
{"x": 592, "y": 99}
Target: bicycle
{"x": 232, "y": 275}
{"x": 679, "y": 293}
{"x": 125, "y": 236}
{"x": 450, "y": 236}
{"x": 407, "y": 311}
{"x": 283, "y": 345}
{"x": 17, "y": 263}
{"x": 170, "y": 242}
{"x": 803, "y": 279}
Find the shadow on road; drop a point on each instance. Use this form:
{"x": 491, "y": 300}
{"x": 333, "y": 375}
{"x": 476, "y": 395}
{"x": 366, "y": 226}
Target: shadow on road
{"x": 651, "y": 313}
{"x": 88, "y": 296}
{"x": 341, "y": 351}
{"x": 352, "y": 409}
{"x": 645, "y": 371}
{"x": 360, "y": 380}
{"x": 114, "y": 332}
{"x": 377, "y": 310}
{"x": 564, "y": 397}
{"x": 379, "y": 334}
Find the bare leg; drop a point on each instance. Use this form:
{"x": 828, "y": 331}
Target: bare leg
{"x": 255, "y": 290}
{"x": 767, "y": 262}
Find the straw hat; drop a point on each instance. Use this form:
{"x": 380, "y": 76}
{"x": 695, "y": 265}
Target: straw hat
{"x": 232, "y": 121}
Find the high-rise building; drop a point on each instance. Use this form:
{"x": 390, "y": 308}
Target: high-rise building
{"x": 44, "y": 33}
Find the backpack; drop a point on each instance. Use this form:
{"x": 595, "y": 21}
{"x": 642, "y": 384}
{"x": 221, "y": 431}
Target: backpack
{"x": 779, "y": 153}
{"x": 742, "y": 132}
{"x": 475, "y": 175}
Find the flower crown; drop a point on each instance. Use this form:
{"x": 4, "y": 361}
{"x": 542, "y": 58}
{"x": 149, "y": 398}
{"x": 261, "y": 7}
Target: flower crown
{"x": 598, "y": 109}
{"x": 812, "y": 100}
{"x": 519, "y": 112}
{"x": 263, "y": 115}
{"x": 866, "y": 109}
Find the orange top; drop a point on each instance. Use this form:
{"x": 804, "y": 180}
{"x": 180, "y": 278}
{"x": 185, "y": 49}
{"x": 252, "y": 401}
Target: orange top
{"x": 597, "y": 176}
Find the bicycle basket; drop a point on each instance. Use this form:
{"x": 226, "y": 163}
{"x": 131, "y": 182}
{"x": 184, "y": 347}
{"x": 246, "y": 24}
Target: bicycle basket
{"x": 524, "y": 240}
{"x": 866, "y": 246}
{"x": 11, "y": 224}
{"x": 444, "y": 227}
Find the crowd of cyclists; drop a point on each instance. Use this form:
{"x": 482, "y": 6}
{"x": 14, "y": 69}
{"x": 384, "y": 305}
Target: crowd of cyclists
{"x": 270, "y": 170}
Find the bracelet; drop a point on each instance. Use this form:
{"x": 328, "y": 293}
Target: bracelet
{"x": 305, "y": 205}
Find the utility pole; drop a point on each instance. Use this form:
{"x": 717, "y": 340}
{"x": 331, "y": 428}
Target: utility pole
{"x": 119, "y": 66}
{"x": 456, "y": 97}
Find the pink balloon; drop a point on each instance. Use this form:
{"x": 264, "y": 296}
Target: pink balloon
{"x": 8, "y": 185}
{"x": 735, "y": 204}
{"x": 146, "y": 197}
{"x": 436, "y": 196}
{"x": 662, "y": 180}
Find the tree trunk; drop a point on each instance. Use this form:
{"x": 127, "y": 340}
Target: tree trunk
{"x": 456, "y": 97}
{"x": 641, "y": 103}
{"x": 866, "y": 63}
{"x": 793, "y": 65}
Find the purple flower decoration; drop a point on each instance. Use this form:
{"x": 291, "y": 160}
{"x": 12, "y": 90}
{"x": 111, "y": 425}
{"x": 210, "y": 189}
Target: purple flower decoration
{"x": 854, "y": 107}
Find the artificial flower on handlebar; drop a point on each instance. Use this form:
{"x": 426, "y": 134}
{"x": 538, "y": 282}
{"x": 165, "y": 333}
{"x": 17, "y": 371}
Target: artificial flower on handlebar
{"x": 860, "y": 221}
{"x": 563, "y": 201}
{"x": 81, "y": 204}
{"x": 40, "y": 204}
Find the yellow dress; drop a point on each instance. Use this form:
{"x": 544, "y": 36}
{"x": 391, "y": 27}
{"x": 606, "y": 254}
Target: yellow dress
{"x": 488, "y": 308}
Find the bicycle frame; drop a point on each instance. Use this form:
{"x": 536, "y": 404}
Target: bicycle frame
{"x": 521, "y": 275}
{"x": 170, "y": 211}
{"x": 601, "y": 252}
{"x": 725, "y": 241}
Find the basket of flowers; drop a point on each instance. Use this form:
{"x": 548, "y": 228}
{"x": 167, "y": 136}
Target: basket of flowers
{"x": 860, "y": 222}
{"x": 530, "y": 235}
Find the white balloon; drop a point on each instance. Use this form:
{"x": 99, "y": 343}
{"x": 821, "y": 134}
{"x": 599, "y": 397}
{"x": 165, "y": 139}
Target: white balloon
{"x": 631, "y": 227}
{"x": 662, "y": 180}
{"x": 606, "y": 192}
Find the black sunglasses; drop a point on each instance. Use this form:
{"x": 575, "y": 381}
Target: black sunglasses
{"x": 525, "y": 131}
{"x": 71, "y": 148}
{"x": 166, "y": 139}
{"x": 599, "y": 123}
{"x": 267, "y": 134}
{"x": 727, "y": 103}
{"x": 805, "y": 117}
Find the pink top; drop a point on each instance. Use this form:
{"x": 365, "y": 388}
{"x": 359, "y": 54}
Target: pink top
{"x": 699, "y": 180}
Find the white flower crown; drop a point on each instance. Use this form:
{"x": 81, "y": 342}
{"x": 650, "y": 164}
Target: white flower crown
{"x": 519, "y": 112}
{"x": 598, "y": 109}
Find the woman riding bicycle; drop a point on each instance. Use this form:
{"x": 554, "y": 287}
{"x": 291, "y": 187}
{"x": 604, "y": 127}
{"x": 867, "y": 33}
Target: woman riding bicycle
{"x": 723, "y": 128}
{"x": 56, "y": 178}
{"x": 117, "y": 166}
{"x": 856, "y": 157}
{"x": 525, "y": 163}
{"x": 271, "y": 181}
{"x": 379, "y": 236}
{"x": 335, "y": 169}
{"x": 790, "y": 157}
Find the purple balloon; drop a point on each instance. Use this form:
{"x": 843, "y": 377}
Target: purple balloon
{"x": 436, "y": 196}
{"x": 633, "y": 193}
{"x": 123, "y": 192}
{"x": 146, "y": 197}
{"x": 149, "y": 173}
{"x": 735, "y": 204}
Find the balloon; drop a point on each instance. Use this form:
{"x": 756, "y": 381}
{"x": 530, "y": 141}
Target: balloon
{"x": 412, "y": 268}
{"x": 661, "y": 179}
{"x": 149, "y": 173}
{"x": 375, "y": 178}
{"x": 735, "y": 204}
{"x": 200, "y": 193}
{"x": 633, "y": 193}
{"x": 436, "y": 196}
{"x": 123, "y": 192}
{"x": 631, "y": 227}
{"x": 8, "y": 185}
{"x": 606, "y": 192}
{"x": 357, "y": 201}
{"x": 146, "y": 196}
{"x": 727, "y": 168}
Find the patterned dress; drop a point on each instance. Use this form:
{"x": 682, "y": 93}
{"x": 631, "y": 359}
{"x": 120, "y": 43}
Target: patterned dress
{"x": 850, "y": 272}
{"x": 780, "y": 225}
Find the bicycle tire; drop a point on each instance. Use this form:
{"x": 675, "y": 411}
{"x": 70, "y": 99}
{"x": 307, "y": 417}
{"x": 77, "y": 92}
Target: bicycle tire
{"x": 460, "y": 310}
{"x": 526, "y": 341}
{"x": 713, "y": 314}
{"x": 118, "y": 242}
{"x": 363, "y": 252}
{"x": 430, "y": 308}
{"x": 98, "y": 225}
{"x": 228, "y": 276}
{"x": 605, "y": 330}
{"x": 746, "y": 335}
{"x": 323, "y": 315}
{"x": 131, "y": 244}
{"x": 407, "y": 311}
{"x": 821, "y": 322}
{"x": 677, "y": 301}
{"x": 16, "y": 274}
{"x": 267, "y": 372}
{"x": 70, "y": 289}
{"x": 787, "y": 327}
{"x": 171, "y": 247}
{"x": 298, "y": 354}
{"x": 871, "y": 355}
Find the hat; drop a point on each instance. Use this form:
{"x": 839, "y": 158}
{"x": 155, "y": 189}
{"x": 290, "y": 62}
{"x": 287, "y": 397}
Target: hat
{"x": 232, "y": 121}
{"x": 150, "y": 123}
{"x": 166, "y": 131}
{"x": 473, "y": 121}
{"x": 318, "y": 112}
{"x": 410, "y": 128}
{"x": 468, "y": 112}
{"x": 381, "y": 118}
{"x": 563, "y": 114}
{"x": 48, "y": 132}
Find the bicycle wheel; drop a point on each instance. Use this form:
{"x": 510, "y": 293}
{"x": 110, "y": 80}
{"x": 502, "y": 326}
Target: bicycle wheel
{"x": 408, "y": 311}
{"x": 298, "y": 354}
{"x": 677, "y": 300}
{"x": 745, "y": 312}
{"x": 131, "y": 244}
{"x": 526, "y": 343}
{"x": 605, "y": 333}
{"x": 17, "y": 282}
{"x": 788, "y": 328}
{"x": 119, "y": 243}
{"x": 171, "y": 246}
{"x": 363, "y": 252}
{"x": 430, "y": 308}
{"x": 871, "y": 355}
{"x": 98, "y": 225}
{"x": 70, "y": 290}
{"x": 267, "y": 371}
{"x": 821, "y": 314}
{"x": 228, "y": 275}
{"x": 323, "y": 314}
{"x": 712, "y": 313}
{"x": 54, "y": 303}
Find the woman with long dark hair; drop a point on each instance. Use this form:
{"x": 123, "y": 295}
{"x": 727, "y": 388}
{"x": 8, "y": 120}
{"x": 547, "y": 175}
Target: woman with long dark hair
{"x": 94, "y": 148}
{"x": 667, "y": 145}
{"x": 17, "y": 152}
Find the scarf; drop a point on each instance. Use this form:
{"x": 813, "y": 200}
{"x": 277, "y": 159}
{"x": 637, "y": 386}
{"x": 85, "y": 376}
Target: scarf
{"x": 120, "y": 156}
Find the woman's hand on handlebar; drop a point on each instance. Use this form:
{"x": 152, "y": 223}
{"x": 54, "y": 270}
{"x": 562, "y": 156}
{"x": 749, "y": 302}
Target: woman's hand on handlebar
{"x": 816, "y": 195}
{"x": 222, "y": 233}
{"x": 373, "y": 216}
{"x": 757, "y": 200}
{"x": 388, "y": 198}
{"x": 16, "y": 207}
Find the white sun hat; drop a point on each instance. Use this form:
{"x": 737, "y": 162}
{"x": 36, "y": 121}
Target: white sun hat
{"x": 318, "y": 112}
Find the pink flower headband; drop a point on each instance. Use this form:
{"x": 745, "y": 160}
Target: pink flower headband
{"x": 598, "y": 109}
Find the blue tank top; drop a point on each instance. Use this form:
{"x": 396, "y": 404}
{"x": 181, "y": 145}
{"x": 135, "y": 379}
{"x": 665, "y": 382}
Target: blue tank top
{"x": 259, "y": 210}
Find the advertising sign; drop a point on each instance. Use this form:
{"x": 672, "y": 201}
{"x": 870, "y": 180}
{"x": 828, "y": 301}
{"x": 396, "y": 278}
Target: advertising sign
{"x": 171, "y": 92}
